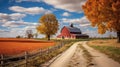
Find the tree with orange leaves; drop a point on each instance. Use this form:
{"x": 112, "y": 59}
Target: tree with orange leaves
{"x": 105, "y": 14}
{"x": 48, "y": 25}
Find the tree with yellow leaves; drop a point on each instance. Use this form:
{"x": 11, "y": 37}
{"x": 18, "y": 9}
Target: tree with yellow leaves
{"x": 105, "y": 14}
{"x": 48, "y": 25}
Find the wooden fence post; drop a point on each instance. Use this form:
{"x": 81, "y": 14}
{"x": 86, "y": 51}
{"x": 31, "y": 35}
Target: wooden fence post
{"x": 51, "y": 49}
{"x": 41, "y": 54}
{"x": 58, "y": 46}
{"x": 48, "y": 51}
{"x": 62, "y": 44}
{"x": 40, "y": 51}
{"x": 2, "y": 62}
{"x": 26, "y": 59}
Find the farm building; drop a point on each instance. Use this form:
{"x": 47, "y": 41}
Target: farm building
{"x": 71, "y": 32}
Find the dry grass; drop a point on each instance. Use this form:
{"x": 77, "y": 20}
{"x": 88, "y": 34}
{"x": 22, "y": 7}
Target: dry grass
{"x": 45, "y": 58}
{"x": 109, "y": 42}
{"x": 109, "y": 47}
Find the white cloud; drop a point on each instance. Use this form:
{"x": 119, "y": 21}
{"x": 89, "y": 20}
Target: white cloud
{"x": 48, "y": 12}
{"x": 65, "y": 14}
{"x": 17, "y": 16}
{"x": 9, "y": 17}
{"x": 31, "y": 10}
{"x": 28, "y": 0}
{"x": 14, "y": 24}
{"x": 18, "y": 24}
{"x": 3, "y": 20}
{"x": 19, "y": 31}
{"x": 29, "y": 27}
{"x": 69, "y": 5}
{"x": 3, "y": 30}
{"x": 14, "y": 20}
{"x": 94, "y": 33}
{"x": 4, "y": 17}
{"x": 15, "y": 31}
{"x": 84, "y": 25}
{"x": 82, "y": 21}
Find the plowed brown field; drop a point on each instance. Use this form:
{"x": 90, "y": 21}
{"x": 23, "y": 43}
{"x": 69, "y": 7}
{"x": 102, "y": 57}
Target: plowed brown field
{"x": 12, "y": 46}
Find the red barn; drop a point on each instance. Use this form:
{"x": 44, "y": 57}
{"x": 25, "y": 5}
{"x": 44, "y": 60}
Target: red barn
{"x": 71, "y": 32}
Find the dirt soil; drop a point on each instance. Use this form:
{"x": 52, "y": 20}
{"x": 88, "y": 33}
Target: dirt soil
{"x": 78, "y": 60}
{"x": 13, "y": 46}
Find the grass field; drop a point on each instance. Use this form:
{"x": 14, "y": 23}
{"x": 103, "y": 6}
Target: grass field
{"x": 105, "y": 42}
{"x": 13, "y": 46}
{"x": 109, "y": 47}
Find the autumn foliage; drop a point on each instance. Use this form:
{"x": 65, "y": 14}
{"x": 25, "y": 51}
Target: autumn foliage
{"x": 105, "y": 14}
{"x": 48, "y": 25}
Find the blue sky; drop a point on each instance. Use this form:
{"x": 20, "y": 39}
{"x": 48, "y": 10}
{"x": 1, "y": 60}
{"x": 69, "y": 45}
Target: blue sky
{"x": 17, "y": 16}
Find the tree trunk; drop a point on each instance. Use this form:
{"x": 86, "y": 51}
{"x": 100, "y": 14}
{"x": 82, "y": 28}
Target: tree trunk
{"x": 48, "y": 37}
{"x": 118, "y": 36}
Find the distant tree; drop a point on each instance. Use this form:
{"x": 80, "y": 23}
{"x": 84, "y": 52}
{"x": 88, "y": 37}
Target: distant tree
{"x": 48, "y": 25}
{"x": 105, "y": 14}
{"x": 18, "y": 36}
{"x": 29, "y": 34}
{"x": 36, "y": 35}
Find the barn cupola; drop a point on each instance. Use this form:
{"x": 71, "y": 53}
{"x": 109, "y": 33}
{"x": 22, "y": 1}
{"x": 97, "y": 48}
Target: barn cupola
{"x": 71, "y": 25}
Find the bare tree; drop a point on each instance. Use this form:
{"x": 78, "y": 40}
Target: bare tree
{"x": 29, "y": 34}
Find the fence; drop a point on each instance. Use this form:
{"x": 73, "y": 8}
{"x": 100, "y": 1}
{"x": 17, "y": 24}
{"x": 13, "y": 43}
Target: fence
{"x": 26, "y": 58}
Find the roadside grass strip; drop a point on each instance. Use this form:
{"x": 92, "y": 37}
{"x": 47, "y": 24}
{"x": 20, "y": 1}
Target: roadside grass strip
{"x": 112, "y": 52}
{"x": 44, "y": 58}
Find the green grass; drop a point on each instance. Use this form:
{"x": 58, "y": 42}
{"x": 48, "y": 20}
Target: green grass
{"x": 112, "y": 52}
{"x": 81, "y": 39}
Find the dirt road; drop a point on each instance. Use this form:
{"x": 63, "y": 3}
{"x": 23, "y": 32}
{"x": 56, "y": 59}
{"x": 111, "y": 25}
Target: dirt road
{"x": 75, "y": 57}
{"x": 64, "y": 59}
{"x": 100, "y": 59}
